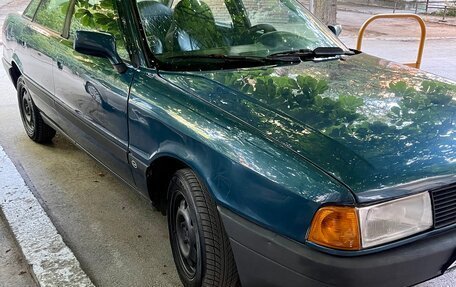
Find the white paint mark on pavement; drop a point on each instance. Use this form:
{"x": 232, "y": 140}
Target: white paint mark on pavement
{"x": 51, "y": 262}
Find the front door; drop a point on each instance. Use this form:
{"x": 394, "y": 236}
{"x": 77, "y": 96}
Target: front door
{"x": 90, "y": 94}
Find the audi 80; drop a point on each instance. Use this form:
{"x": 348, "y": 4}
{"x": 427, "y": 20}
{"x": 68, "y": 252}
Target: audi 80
{"x": 279, "y": 156}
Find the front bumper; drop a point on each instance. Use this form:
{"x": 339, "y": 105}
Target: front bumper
{"x": 264, "y": 258}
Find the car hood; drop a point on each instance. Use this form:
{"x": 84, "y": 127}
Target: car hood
{"x": 370, "y": 123}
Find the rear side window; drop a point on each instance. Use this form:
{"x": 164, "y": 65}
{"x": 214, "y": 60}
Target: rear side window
{"x": 31, "y": 9}
{"x": 52, "y": 14}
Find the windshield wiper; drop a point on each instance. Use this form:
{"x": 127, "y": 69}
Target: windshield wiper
{"x": 307, "y": 54}
{"x": 230, "y": 58}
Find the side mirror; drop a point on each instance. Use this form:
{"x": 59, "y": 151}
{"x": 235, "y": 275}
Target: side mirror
{"x": 336, "y": 29}
{"x": 99, "y": 45}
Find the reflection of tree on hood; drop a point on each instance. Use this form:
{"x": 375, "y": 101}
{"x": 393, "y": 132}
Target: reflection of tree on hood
{"x": 413, "y": 127}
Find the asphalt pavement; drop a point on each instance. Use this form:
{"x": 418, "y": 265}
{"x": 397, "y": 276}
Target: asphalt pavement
{"x": 13, "y": 270}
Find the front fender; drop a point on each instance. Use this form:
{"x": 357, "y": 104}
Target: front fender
{"x": 245, "y": 173}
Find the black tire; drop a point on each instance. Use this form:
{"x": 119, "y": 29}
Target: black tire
{"x": 201, "y": 248}
{"x": 34, "y": 125}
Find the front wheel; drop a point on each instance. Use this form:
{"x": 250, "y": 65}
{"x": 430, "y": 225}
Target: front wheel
{"x": 201, "y": 248}
{"x": 34, "y": 125}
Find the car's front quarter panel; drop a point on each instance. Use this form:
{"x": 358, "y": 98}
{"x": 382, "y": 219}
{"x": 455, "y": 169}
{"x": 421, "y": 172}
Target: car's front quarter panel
{"x": 245, "y": 172}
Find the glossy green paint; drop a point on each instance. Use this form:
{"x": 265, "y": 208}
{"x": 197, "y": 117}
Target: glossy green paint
{"x": 272, "y": 144}
{"x": 370, "y": 123}
{"x": 245, "y": 171}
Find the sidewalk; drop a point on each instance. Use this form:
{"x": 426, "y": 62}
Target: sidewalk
{"x": 49, "y": 259}
{"x": 397, "y": 40}
{"x": 372, "y": 10}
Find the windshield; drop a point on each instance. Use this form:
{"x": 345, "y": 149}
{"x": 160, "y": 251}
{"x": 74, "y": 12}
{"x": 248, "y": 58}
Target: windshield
{"x": 213, "y": 33}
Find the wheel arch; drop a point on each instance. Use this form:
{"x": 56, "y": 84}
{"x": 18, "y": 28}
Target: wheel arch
{"x": 202, "y": 161}
{"x": 159, "y": 174}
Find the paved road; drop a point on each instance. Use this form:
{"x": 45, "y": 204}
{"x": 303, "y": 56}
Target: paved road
{"x": 439, "y": 57}
{"x": 13, "y": 270}
{"x": 397, "y": 40}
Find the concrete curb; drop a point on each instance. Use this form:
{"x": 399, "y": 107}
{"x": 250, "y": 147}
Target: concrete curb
{"x": 51, "y": 262}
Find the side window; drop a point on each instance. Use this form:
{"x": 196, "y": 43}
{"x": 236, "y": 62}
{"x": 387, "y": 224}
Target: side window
{"x": 31, "y": 9}
{"x": 99, "y": 15}
{"x": 52, "y": 14}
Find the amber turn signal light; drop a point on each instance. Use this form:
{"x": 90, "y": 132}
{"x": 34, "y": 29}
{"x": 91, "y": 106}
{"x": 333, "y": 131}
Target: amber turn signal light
{"x": 336, "y": 227}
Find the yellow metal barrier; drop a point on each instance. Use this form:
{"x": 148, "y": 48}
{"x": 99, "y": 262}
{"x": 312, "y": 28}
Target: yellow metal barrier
{"x": 417, "y": 64}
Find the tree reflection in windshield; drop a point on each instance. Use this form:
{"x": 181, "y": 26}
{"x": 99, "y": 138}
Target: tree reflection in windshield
{"x": 230, "y": 28}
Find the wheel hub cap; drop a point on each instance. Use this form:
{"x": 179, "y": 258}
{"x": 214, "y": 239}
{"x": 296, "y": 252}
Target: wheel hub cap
{"x": 186, "y": 238}
{"x": 27, "y": 112}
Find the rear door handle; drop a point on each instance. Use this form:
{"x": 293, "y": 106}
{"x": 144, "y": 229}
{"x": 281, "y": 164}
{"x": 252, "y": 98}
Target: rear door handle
{"x": 21, "y": 42}
{"x": 60, "y": 65}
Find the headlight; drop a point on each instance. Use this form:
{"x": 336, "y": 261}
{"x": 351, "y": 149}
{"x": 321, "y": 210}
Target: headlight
{"x": 351, "y": 228}
{"x": 395, "y": 219}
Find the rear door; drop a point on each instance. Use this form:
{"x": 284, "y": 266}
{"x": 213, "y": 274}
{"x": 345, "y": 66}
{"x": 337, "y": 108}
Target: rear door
{"x": 40, "y": 40}
{"x": 91, "y": 96}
